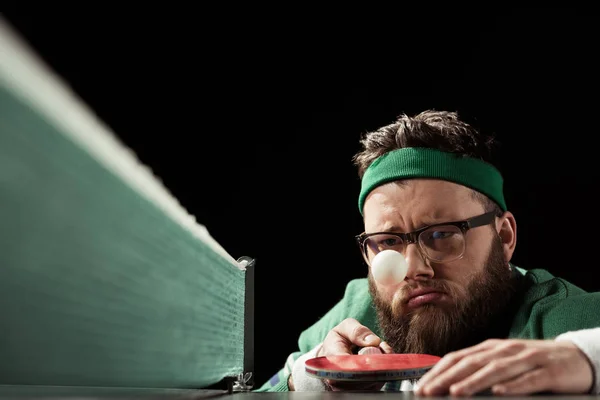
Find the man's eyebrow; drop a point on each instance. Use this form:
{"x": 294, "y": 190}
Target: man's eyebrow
{"x": 391, "y": 229}
{"x": 429, "y": 221}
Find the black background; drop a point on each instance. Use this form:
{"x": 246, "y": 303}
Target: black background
{"x": 251, "y": 117}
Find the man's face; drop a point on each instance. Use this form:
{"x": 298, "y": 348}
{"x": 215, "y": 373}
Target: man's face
{"x": 469, "y": 291}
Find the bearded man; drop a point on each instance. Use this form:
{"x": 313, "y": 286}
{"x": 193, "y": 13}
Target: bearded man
{"x": 430, "y": 192}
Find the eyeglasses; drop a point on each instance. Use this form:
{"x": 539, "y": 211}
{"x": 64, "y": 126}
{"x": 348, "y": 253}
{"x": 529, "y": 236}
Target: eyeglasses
{"x": 442, "y": 242}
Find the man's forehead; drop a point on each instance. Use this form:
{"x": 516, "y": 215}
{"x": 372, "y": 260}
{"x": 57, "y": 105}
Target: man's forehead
{"x": 417, "y": 201}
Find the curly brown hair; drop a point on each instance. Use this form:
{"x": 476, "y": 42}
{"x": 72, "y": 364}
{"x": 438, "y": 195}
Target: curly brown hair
{"x": 441, "y": 130}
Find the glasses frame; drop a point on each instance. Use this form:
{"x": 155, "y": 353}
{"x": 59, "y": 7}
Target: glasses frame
{"x": 413, "y": 237}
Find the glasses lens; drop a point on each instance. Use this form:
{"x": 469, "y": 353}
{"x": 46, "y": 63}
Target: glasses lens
{"x": 443, "y": 243}
{"x": 382, "y": 241}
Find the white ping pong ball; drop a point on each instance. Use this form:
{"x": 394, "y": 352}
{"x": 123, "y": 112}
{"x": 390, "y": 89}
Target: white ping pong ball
{"x": 389, "y": 267}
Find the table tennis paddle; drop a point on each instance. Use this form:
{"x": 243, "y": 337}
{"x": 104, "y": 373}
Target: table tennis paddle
{"x": 370, "y": 367}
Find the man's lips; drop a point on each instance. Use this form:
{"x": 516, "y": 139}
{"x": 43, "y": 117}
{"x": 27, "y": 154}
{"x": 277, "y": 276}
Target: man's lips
{"x": 419, "y": 297}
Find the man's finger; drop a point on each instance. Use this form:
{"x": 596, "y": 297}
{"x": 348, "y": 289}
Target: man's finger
{"x": 451, "y": 359}
{"x": 497, "y": 371}
{"x": 460, "y": 369}
{"x": 357, "y": 333}
{"x": 335, "y": 344}
{"x": 439, "y": 368}
{"x": 534, "y": 381}
{"x": 387, "y": 349}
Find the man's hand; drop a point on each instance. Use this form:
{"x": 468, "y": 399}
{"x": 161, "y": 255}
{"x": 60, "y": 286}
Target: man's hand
{"x": 347, "y": 336}
{"x": 510, "y": 367}
{"x": 344, "y": 339}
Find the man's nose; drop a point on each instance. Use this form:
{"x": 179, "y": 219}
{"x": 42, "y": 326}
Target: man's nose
{"x": 418, "y": 268}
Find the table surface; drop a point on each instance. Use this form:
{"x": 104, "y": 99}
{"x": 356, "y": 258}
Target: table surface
{"x": 14, "y": 393}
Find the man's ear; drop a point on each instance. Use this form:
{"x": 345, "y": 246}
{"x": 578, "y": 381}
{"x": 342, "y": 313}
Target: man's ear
{"x": 506, "y": 226}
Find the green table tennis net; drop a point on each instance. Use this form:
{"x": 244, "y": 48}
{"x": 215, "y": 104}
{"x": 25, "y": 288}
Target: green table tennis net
{"x": 104, "y": 281}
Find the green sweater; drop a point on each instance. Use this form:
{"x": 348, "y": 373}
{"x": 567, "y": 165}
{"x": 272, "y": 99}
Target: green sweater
{"x": 548, "y": 306}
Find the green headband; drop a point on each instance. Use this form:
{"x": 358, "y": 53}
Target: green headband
{"x": 415, "y": 162}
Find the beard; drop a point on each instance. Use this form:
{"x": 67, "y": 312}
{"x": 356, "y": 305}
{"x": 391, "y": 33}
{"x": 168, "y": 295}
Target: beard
{"x": 438, "y": 329}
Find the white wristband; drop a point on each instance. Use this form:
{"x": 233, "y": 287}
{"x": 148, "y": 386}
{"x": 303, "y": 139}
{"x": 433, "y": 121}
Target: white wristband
{"x": 302, "y": 381}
